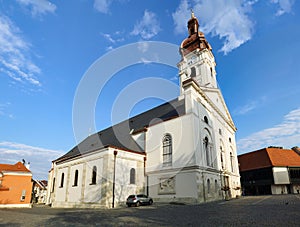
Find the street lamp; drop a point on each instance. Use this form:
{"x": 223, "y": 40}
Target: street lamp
{"x": 114, "y": 178}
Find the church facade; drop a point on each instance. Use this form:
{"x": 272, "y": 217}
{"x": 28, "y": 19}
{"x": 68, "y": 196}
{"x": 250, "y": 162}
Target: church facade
{"x": 181, "y": 151}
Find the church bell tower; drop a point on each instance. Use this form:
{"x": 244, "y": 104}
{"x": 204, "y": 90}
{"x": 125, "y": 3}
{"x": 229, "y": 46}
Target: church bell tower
{"x": 197, "y": 61}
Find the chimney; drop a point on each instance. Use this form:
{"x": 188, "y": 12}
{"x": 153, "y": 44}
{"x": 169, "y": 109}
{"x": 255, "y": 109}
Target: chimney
{"x": 27, "y": 165}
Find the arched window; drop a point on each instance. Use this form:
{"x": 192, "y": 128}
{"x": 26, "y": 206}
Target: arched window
{"x": 208, "y": 186}
{"x": 94, "y": 175}
{"x": 207, "y": 151}
{"x": 222, "y": 156}
{"x": 132, "y": 176}
{"x": 193, "y": 72}
{"x": 216, "y": 186}
{"x": 205, "y": 119}
{"x": 76, "y": 178}
{"x": 167, "y": 150}
{"x": 62, "y": 180}
{"x": 232, "y": 162}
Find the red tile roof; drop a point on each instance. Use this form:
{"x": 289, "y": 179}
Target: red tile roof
{"x": 268, "y": 157}
{"x": 18, "y": 167}
{"x": 283, "y": 157}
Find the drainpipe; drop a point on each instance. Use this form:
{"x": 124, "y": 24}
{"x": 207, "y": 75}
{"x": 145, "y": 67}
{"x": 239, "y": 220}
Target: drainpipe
{"x": 203, "y": 182}
{"x": 147, "y": 187}
{"x": 114, "y": 178}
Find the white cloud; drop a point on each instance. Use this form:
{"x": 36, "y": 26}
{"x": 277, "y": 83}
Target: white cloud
{"x": 102, "y": 5}
{"x": 40, "y": 158}
{"x": 109, "y": 38}
{"x": 181, "y": 16}
{"x": 143, "y": 46}
{"x": 4, "y": 110}
{"x": 38, "y": 7}
{"x": 114, "y": 38}
{"x": 245, "y": 109}
{"x": 229, "y": 20}
{"x": 148, "y": 26}
{"x": 226, "y": 19}
{"x": 249, "y": 106}
{"x": 286, "y": 134}
{"x": 285, "y": 6}
{"x": 15, "y": 59}
{"x": 109, "y": 48}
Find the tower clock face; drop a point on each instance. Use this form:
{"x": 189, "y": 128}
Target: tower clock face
{"x": 192, "y": 60}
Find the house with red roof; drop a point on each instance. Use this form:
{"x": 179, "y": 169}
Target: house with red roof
{"x": 39, "y": 191}
{"x": 271, "y": 170}
{"x": 15, "y": 185}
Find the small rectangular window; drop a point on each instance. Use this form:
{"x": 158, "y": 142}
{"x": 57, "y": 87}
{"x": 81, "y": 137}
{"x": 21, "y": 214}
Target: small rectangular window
{"x": 23, "y": 195}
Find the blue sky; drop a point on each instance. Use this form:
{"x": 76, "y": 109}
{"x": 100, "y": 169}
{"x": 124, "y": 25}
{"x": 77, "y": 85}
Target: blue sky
{"x": 47, "y": 46}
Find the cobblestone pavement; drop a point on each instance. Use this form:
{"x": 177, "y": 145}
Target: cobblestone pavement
{"x": 281, "y": 210}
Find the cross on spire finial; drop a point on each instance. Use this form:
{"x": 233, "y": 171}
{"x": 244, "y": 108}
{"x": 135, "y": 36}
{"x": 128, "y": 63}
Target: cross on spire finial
{"x": 192, "y": 13}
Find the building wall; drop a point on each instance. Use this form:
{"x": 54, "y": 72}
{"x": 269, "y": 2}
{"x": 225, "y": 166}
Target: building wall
{"x": 189, "y": 160}
{"x": 39, "y": 195}
{"x": 87, "y": 194}
{"x": 295, "y": 188}
{"x": 281, "y": 175}
{"x": 94, "y": 191}
{"x": 181, "y": 130}
{"x": 279, "y": 189}
{"x": 16, "y": 189}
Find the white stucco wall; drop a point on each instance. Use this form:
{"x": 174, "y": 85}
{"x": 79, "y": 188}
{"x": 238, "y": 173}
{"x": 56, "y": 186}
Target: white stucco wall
{"x": 181, "y": 130}
{"x": 281, "y": 175}
{"x": 279, "y": 189}
{"x": 60, "y": 192}
{"x": 92, "y": 192}
{"x": 86, "y": 194}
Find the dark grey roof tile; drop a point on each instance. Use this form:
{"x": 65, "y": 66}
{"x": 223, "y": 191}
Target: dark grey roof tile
{"x": 119, "y": 135}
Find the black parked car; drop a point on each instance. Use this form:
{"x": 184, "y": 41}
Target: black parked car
{"x": 138, "y": 200}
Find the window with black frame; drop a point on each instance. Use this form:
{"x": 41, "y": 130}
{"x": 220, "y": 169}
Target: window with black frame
{"x": 167, "y": 150}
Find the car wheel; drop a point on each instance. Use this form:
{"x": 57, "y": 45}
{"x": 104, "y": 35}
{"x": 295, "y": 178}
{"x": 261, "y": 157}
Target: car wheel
{"x": 150, "y": 202}
{"x": 138, "y": 203}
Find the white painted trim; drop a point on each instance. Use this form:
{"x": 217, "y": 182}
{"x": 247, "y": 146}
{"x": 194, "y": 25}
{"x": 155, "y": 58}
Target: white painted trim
{"x": 27, "y": 205}
{"x": 5, "y": 173}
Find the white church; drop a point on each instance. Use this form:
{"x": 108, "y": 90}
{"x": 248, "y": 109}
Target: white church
{"x": 189, "y": 155}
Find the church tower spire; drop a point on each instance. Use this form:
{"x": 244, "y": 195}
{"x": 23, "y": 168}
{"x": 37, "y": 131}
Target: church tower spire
{"x": 193, "y": 24}
{"x": 197, "y": 61}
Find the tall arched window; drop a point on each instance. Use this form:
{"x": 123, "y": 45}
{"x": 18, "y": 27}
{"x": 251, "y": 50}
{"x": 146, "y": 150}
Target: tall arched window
{"x": 62, "y": 180}
{"x": 216, "y": 186}
{"x": 94, "y": 175}
{"x": 76, "y": 178}
{"x": 222, "y": 155}
{"x": 132, "y": 176}
{"x": 208, "y": 186}
{"x": 167, "y": 150}
{"x": 193, "y": 72}
{"x": 232, "y": 162}
{"x": 205, "y": 119}
{"x": 207, "y": 151}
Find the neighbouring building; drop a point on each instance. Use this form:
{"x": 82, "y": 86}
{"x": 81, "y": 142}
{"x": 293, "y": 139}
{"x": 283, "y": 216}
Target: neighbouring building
{"x": 272, "y": 170}
{"x": 15, "y": 185}
{"x": 39, "y": 194}
{"x": 183, "y": 150}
